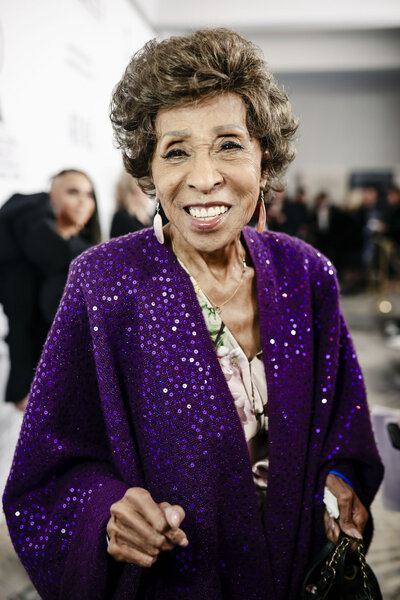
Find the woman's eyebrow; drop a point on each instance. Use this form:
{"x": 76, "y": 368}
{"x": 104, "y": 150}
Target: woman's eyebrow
{"x": 230, "y": 127}
{"x": 178, "y": 133}
{"x": 183, "y": 133}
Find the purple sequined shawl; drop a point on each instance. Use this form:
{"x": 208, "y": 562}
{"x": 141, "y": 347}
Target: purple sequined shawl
{"x": 129, "y": 392}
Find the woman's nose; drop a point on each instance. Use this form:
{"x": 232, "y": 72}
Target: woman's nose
{"x": 203, "y": 173}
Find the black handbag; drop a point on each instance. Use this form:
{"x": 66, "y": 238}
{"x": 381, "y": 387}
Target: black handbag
{"x": 339, "y": 573}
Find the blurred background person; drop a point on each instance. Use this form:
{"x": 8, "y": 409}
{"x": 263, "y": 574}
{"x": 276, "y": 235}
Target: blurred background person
{"x": 297, "y": 215}
{"x": 39, "y": 236}
{"x": 350, "y": 227}
{"x": 391, "y": 221}
{"x": 321, "y": 224}
{"x": 276, "y": 217}
{"x": 391, "y": 216}
{"x": 134, "y": 209}
{"x": 368, "y": 219}
{"x": 331, "y": 230}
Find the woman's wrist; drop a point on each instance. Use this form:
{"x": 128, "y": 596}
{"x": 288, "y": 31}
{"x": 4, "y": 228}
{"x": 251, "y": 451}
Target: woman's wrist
{"x": 338, "y": 474}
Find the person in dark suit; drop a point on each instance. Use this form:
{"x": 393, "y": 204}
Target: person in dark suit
{"x": 391, "y": 216}
{"x": 39, "y": 236}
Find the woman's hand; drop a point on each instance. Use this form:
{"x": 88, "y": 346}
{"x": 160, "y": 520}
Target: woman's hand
{"x": 139, "y": 528}
{"x": 352, "y": 513}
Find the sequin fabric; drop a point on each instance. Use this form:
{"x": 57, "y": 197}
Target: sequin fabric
{"x": 129, "y": 392}
{"x": 247, "y": 384}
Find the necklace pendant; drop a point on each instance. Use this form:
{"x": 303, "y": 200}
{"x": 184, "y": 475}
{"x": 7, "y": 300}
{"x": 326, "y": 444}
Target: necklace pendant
{"x": 218, "y": 310}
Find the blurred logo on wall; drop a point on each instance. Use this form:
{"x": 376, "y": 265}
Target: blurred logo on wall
{"x": 9, "y": 166}
{"x": 94, "y": 7}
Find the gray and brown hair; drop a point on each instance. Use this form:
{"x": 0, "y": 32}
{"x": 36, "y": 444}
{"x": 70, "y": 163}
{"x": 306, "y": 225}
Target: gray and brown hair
{"x": 183, "y": 70}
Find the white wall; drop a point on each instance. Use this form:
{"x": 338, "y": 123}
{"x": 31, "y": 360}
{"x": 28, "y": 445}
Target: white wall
{"x": 59, "y": 61}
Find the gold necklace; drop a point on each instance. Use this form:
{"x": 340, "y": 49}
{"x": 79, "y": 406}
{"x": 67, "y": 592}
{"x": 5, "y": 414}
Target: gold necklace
{"x": 217, "y": 307}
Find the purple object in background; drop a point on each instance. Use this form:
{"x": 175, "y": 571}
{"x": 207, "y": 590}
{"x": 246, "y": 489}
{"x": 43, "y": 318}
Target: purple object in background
{"x": 382, "y": 416}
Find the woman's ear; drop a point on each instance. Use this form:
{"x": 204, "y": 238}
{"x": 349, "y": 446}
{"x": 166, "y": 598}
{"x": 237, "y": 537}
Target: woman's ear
{"x": 263, "y": 180}
{"x": 264, "y": 169}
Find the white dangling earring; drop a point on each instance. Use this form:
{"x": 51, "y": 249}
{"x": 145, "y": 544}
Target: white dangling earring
{"x": 157, "y": 224}
{"x": 262, "y": 217}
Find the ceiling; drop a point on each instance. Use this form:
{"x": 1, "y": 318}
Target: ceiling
{"x": 296, "y": 36}
{"x": 183, "y": 15}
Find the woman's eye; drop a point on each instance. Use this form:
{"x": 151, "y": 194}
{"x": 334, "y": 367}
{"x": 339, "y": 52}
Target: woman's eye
{"x": 231, "y": 145}
{"x": 174, "y": 153}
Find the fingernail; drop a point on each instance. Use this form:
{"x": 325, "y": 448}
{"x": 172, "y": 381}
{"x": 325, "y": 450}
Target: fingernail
{"x": 174, "y": 519}
{"x": 184, "y": 542}
{"x": 356, "y": 534}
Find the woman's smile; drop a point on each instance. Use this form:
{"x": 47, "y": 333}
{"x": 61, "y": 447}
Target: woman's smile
{"x": 206, "y": 212}
{"x": 206, "y": 217}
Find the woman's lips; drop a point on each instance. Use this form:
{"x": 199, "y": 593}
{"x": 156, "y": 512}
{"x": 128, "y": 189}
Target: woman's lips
{"x": 206, "y": 216}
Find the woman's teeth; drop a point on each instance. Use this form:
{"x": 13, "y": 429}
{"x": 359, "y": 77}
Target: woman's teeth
{"x": 207, "y": 213}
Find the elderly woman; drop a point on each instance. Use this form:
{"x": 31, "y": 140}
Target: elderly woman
{"x": 199, "y": 388}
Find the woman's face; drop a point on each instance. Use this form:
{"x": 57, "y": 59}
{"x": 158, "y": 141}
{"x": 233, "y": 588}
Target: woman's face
{"x": 207, "y": 170}
{"x": 72, "y": 197}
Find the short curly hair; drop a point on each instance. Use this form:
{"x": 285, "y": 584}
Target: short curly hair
{"x": 181, "y": 70}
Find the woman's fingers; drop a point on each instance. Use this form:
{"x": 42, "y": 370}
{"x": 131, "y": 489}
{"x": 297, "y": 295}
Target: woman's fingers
{"x": 139, "y": 528}
{"x": 346, "y": 521}
{"x": 352, "y": 513}
{"x": 174, "y": 516}
{"x": 137, "y": 533}
{"x": 360, "y": 514}
{"x": 127, "y": 553}
{"x": 143, "y": 504}
{"x": 332, "y": 529}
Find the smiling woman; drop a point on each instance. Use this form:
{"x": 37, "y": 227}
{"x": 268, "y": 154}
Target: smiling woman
{"x": 205, "y": 162}
{"x": 199, "y": 388}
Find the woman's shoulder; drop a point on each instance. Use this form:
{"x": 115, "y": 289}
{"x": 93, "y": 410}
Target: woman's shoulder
{"x": 286, "y": 248}
{"x": 284, "y": 257}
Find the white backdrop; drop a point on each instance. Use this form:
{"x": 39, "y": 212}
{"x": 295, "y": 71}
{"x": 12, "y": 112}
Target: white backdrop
{"x": 59, "y": 61}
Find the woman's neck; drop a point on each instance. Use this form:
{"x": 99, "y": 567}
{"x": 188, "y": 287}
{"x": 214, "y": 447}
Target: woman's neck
{"x": 222, "y": 264}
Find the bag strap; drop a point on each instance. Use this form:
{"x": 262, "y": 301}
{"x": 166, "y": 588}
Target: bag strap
{"x": 318, "y": 561}
{"x": 331, "y": 563}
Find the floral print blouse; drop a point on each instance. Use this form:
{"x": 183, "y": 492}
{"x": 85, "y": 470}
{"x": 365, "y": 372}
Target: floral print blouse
{"x": 247, "y": 383}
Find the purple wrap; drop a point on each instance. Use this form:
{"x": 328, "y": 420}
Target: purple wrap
{"x": 129, "y": 392}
